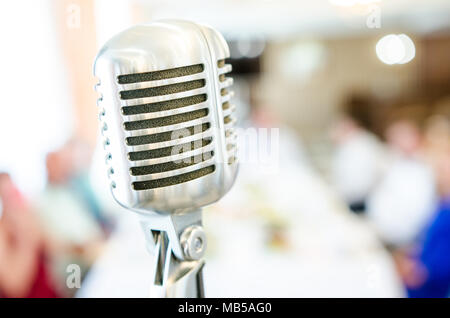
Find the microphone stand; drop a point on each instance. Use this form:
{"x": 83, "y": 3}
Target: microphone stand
{"x": 177, "y": 243}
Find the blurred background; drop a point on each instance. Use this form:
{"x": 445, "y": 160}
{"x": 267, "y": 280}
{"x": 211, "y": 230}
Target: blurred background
{"x": 354, "y": 201}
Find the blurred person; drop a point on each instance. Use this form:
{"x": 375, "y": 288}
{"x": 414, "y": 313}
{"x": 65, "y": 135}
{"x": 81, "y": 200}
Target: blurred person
{"x": 357, "y": 162}
{"x": 23, "y": 251}
{"x": 79, "y": 182}
{"x": 69, "y": 211}
{"x": 403, "y": 202}
{"x": 425, "y": 268}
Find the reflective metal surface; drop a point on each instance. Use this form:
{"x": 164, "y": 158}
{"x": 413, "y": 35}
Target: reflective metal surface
{"x": 154, "y": 47}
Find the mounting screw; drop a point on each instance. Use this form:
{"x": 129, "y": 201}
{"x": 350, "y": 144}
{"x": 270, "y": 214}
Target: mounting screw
{"x": 193, "y": 242}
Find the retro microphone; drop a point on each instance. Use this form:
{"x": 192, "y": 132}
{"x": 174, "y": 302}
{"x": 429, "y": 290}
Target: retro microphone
{"x": 167, "y": 126}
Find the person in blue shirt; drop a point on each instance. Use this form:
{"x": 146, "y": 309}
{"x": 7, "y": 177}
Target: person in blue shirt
{"x": 426, "y": 273}
{"x": 432, "y": 267}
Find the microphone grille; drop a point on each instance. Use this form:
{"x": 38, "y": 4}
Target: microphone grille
{"x": 176, "y": 130}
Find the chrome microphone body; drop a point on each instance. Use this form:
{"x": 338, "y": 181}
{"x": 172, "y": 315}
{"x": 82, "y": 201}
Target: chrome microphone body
{"x": 167, "y": 126}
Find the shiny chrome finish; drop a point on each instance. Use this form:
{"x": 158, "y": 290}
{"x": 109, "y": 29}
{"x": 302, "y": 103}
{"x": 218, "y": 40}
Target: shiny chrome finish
{"x": 164, "y": 99}
{"x": 193, "y": 242}
{"x": 154, "y": 47}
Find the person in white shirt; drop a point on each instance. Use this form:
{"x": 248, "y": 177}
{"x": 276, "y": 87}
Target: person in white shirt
{"x": 357, "y": 162}
{"x": 403, "y": 202}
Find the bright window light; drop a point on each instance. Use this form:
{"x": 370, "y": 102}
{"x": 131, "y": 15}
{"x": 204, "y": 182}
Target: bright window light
{"x": 395, "y": 49}
{"x": 36, "y": 112}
